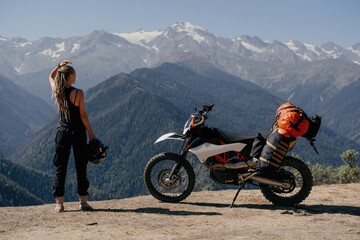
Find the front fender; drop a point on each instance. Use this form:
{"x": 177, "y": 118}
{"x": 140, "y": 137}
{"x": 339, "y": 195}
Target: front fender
{"x": 173, "y": 136}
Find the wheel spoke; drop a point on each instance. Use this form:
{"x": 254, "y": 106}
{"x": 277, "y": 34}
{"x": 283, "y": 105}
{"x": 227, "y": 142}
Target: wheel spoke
{"x": 296, "y": 181}
{"x": 169, "y": 187}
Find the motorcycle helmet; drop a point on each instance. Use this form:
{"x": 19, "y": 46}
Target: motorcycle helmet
{"x": 96, "y": 151}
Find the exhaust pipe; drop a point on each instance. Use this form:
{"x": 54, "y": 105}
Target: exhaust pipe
{"x": 247, "y": 176}
{"x": 270, "y": 182}
{"x": 237, "y": 165}
{"x": 263, "y": 180}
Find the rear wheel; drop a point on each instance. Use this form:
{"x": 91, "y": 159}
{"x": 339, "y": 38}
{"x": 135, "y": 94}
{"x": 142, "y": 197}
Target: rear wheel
{"x": 156, "y": 179}
{"x": 298, "y": 175}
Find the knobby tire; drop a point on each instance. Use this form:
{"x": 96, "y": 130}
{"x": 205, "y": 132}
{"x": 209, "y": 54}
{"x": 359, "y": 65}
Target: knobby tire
{"x": 301, "y": 195}
{"x": 154, "y": 192}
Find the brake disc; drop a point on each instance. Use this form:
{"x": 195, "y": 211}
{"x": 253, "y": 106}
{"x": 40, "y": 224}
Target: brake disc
{"x": 165, "y": 182}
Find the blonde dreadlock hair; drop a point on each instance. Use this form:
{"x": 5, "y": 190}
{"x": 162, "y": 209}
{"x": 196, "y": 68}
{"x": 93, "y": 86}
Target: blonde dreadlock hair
{"x": 61, "y": 78}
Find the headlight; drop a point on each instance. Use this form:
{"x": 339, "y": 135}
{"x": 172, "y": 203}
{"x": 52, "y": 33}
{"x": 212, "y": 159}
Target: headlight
{"x": 188, "y": 124}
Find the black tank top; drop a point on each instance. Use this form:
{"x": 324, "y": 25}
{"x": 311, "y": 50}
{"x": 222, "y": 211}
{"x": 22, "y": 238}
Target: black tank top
{"x": 74, "y": 121}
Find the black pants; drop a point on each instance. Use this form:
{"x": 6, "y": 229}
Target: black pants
{"x": 64, "y": 140}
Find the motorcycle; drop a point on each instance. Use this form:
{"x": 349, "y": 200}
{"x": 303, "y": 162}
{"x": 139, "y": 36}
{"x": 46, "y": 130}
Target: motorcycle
{"x": 169, "y": 177}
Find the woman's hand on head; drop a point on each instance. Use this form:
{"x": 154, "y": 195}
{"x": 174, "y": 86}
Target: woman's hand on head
{"x": 54, "y": 72}
{"x": 65, "y": 62}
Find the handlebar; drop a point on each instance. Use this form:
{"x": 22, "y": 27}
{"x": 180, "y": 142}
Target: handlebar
{"x": 205, "y": 109}
{"x": 202, "y": 113}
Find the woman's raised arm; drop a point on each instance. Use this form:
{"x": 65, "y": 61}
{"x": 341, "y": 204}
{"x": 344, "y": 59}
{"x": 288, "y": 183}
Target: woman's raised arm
{"x": 54, "y": 72}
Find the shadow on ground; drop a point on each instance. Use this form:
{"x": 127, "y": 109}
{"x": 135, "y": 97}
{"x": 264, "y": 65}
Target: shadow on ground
{"x": 312, "y": 209}
{"x": 156, "y": 211}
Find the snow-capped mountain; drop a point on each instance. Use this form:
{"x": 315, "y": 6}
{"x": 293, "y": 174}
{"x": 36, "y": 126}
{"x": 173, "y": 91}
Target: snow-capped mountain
{"x": 245, "y": 46}
{"x": 27, "y": 57}
{"x": 144, "y": 48}
{"x": 101, "y": 54}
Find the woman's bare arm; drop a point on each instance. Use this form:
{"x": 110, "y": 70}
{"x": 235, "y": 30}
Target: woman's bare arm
{"x": 84, "y": 116}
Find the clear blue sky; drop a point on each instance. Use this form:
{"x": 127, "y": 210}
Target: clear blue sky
{"x": 309, "y": 21}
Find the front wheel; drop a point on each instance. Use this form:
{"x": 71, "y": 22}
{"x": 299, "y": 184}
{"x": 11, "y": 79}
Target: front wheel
{"x": 160, "y": 186}
{"x": 298, "y": 175}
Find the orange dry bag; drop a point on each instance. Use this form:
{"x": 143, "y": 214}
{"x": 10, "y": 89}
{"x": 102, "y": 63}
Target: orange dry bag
{"x": 292, "y": 119}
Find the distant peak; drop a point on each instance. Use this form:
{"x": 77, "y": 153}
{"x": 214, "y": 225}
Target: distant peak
{"x": 100, "y": 32}
{"x": 186, "y": 26}
{"x": 140, "y": 37}
{"x": 356, "y": 46}
{"x": 328, "y": 44}
{"x": 3, "y": 39}
{"x": 294, "y": 42}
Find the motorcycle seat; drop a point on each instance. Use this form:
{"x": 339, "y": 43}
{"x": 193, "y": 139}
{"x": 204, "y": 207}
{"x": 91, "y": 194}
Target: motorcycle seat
{"x": 241, "y": 137}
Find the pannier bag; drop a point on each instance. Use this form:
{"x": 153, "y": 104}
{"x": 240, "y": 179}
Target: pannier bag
{"x": 292, "y": 119}
{"x": 276, "y": 147}
{"x": 314, "y": 126}
{"x": 257, "y": 146}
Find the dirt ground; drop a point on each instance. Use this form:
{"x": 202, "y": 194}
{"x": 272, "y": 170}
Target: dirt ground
{"x": 330, "y": 212}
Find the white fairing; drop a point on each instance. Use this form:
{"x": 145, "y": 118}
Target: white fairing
{"x": 174, "y": 136}
{"x": 207, "y": 150}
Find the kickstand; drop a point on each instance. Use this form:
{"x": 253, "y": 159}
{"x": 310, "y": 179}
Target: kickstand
{"x": 242, "y": 185}
{"x": 237, "y": 193}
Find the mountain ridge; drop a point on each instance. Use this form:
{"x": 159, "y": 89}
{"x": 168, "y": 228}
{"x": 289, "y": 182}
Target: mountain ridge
{"x": 181, "y": 36}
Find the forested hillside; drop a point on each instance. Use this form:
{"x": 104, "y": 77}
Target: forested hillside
{"x": 23, "y": 186}
{"x": 22, "y": 114}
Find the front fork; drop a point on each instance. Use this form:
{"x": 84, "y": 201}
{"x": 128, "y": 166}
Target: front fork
{"x": 175, "y": 169}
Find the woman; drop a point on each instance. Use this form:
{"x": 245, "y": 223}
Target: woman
{"x": 71, "y": 131}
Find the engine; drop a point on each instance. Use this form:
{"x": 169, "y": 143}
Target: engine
{"x": 224, "y": 168}
{"x": 225, "y": 176}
